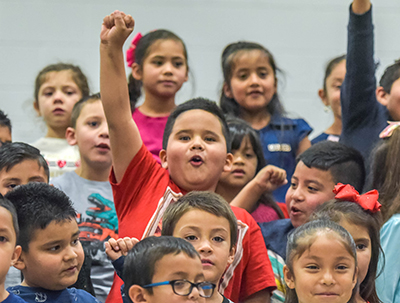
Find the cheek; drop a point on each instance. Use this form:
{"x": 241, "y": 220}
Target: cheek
{"x": 363, "y": 259}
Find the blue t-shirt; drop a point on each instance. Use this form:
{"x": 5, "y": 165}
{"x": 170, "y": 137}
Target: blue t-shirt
{"x": 41, "y": 295}
{"x": 325, "y": 137}
{"x": 280, "y": 140}
{"x": 13, "y": 299}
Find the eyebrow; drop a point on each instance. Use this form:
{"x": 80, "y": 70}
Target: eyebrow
{"x": 309, "y": 181}
{"x": 213, "y": 230}
{"x": 191, "y": 131}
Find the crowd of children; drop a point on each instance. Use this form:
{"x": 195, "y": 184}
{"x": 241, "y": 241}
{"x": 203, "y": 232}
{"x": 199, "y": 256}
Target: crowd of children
{"x": 198, "y": 201}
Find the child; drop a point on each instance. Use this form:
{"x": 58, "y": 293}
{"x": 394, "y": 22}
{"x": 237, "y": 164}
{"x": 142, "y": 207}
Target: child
{"x": 330, "y": 95}
{"x": 195, "y": 152}
{"x": 318, "y": 170}
{"x": 321, "y": 264}
{"x": 21, "y": 163}
{"x": 57, "y": 88}
{"x": 159, "y": 63}
{"x": 365, "y": 108}
{"x": 250, "y": 92}
{"x": 52, "y": 255}
{"x": 165, "y": 269}
{"x": 89, "y": 189}
{"x": 360, "y": 216}
{"x": 248, "y": 161}
{"x": 206, "y": 221}
{"x": 9, "y": 250}
{"x": 5, "y": 128}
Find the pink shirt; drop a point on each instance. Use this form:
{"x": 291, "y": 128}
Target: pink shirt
{"x": 151, "y": 131}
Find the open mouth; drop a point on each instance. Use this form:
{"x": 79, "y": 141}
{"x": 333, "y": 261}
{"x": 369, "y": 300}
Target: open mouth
{"x": 238, "y": 172}
{"x": 103, "y": 146}
{"x": 58, "y": 111}
{"x": 196, "y": 161}
{"x": 295, "y": 210}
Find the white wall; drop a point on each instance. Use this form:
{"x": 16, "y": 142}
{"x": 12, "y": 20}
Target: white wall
{"x": 303, "y": 36}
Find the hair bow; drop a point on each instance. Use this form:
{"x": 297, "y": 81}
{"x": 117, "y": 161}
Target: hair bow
{"x": 368, "y": 201}
{"x": 388, "y": 131}
{"x": 130, "y": 53}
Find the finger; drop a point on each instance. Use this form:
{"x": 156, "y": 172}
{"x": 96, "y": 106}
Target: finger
{"x": 129, "y": 21}
{"x": 119, "y": 20}
{"x": 113, "y": 244}
{"x": 122, "y": 246}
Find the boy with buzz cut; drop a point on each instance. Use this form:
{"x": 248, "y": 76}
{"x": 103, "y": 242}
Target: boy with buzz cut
{"x": 165, "y": 269}
{"x": 9, "y": 250}
{"x": 89, "y": 189}
{"x": 195, "y": 153}
{"x": 317, "y": 172}
{"x": 52, "y": 255}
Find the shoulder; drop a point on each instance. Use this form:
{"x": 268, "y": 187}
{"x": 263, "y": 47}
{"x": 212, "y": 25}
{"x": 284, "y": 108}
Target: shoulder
{"x": 80, "y": 295}
{"x": 288, "y": 124}
{"x": 13, "y": 299}
{"x": 393, "y": 224}
{"x": 63, "y": 178}
{"x": 319, "y": 138}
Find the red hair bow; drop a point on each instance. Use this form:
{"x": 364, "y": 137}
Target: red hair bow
{"x": 368, "y": 201}
{"x": 130, "y": 53}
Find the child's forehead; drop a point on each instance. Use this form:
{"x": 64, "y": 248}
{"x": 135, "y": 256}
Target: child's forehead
{"x": 202, "y": 219}
{"x": 195, "y": 118}
{"x": 90, "y": 108}
{"x": 62, "y": 230}
{"x": 6, "y": 221}
{"x": 313, "y": 174}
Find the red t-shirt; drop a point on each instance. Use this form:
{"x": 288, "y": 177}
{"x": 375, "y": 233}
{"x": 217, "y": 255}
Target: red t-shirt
{"x": 141, "y": 199}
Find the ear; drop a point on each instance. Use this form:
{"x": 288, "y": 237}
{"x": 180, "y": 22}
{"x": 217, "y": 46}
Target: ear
{"x": 137, "y": 73}
{"x": 231, "y": 255}
{"x": 137, "y": 294}
{"x": 227, "y": 91}
{"x": 289, "y": 278}
{"x": 322, "y": 96}
{"x": 163, "y": 158}
{"x": 36, "y": 107}
{"x": 20, "y": 262}
{"x": 382, "y": 96}
{"x": 70, "y": 136}
{"x": 355, "y": 277}
{"x": 16, "y": 254}
{"x": 228, "y": 162}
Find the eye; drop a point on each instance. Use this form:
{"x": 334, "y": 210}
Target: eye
{"x": 263, "y": 74}
{"x": 70, "y": 92}
{"x": 157, "y": 62}
{"x": 242, "y": 76}
{"x": 178, "y": 64}
{"x": 184, "y": 138}
{"x": 210, "y": 139}
{"x": 312, "y": 267}
{"x": 3, "y": 239}
{"x": 190, "y": 238}
{"x": 342, "y": 267}
{"x": 48, "y": 94}
{"x": 75, "y": 242}
{"x": 93, "y": 123}
{"x": 312, "y": 189}
{"x": 293, "y": 185}
{"x": 55, "y": 248}
{"x": 361, "y": 246}
{"x": 218, "y": 239}
{"x": 249, "y": 155}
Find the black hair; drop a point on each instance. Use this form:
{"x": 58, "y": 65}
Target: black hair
{"x": 139, "y": 265}
{"x": 13, "y": 153}
{"x": 37, "y": 205}
{"x": 196, "y": 103}
{"x": 331, "y": 66}
{"x": 230, "y": 53}
{"x": 142, "y": 50}
{"x": 5, "y": 121}
{"x": 202, "y": 200}
{"x": 345, "y": 164}
{"x": 5, "y": 203}
{"x": 240, "y": 129}
{"x": 353, "y": 213}
{"x": 76, "y": 110}
{"x": 390, "y": 75}
{"x": 301, "y": 239}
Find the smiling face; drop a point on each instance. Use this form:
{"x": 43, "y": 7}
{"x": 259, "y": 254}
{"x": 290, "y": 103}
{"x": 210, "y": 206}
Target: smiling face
{"x": 363, "y": 244}
{"x": 91, "y": 136}
{"x": 210, "y": 236}
{"x": 253, "y": 82}
{"x": 54, "y": 257}
{"x": 22, "y": 173}
{"x": 325, "y": 272}
{"x": 164, "y": 70}
{"x": 244, "y": 166}
{"x": 331, "y": 96}
{"x": 310, "y": 187}
{"x": 56, "y": 98}
{"x": 196, "y": 153}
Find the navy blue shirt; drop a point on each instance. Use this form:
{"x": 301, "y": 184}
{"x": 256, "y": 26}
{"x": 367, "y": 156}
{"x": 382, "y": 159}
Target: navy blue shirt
{"x": 324, "y": 137}
{"x": 280, "y": 140}
{"x": 13, "y": 299}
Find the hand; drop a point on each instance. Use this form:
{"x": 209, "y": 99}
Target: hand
{"x": 270, "y": 178}
{"x": 120, "y": 247}
{"x": 116, "y": 29}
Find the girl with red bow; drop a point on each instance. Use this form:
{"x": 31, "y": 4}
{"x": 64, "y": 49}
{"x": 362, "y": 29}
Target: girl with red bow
{"x": 360, "y": 216}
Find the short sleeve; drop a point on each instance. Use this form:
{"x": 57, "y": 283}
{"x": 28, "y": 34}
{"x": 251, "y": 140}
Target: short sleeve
{"x": 302, "y": 129}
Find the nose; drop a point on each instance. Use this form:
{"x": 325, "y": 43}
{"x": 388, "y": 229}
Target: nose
{"x": 205, "y": 246}
{"x": 70, "y": 253}
{"x": 328, "y": 278}
{"x": 238, "y": 159}
{"x": 194, "y": 295}
{"x": 197, "y": 143}
{"x": 297, "y": 194}
{"x": 168, "y": 67}
{"x": 104, "y": 130}
{"x": 58, "y": 97}
{"x": 254, "y": 79}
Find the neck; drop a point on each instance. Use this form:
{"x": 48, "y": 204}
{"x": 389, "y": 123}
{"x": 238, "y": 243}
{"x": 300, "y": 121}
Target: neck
{"x": 216, "y": 297}
{"x": 335, "y": 128}
{"x": 257, "y": 120}
{"x": 3, "y": 293}
{"x": 98, "y": 172}
{"x": 227, "y": 192}
{"x": 156, "y": 106}
{"x": 56, "y": 132}
{"x": 359, "y": 299}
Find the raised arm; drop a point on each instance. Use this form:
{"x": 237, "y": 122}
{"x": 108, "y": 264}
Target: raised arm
{"x": 124, "y": 135}
{"x": 360, "y": 7}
